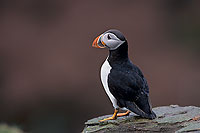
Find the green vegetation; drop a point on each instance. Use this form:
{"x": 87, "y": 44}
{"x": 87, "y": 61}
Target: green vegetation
{"x": 4, "y": 128}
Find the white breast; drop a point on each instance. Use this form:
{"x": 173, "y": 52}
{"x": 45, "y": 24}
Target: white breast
{"x": 105, "y": 70}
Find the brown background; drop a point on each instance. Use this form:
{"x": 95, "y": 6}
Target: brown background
{"x": 49, "y": 73}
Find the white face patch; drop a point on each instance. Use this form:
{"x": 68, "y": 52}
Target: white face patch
{"x": 111, "y": 41}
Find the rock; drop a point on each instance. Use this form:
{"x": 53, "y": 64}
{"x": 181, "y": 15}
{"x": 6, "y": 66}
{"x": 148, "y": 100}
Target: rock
{"x": 171, "y": 118}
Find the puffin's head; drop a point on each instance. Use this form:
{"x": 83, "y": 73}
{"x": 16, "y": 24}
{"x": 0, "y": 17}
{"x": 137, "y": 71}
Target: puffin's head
{"x": 111, "y": 39}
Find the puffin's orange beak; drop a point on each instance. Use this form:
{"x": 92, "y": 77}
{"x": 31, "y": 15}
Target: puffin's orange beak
{"x": 95, "y": 43}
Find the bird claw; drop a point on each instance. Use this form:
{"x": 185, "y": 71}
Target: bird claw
{"x": 196, "y": 118}
{"x": 123, "y": 114}
{"x": 109, "y": 118}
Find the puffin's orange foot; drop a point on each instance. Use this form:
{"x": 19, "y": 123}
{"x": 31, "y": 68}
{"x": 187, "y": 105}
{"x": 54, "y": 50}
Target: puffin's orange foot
{"x": 123, "y": 114}
{"x": 196, "y": 118}
{"x": 111, "y": 118}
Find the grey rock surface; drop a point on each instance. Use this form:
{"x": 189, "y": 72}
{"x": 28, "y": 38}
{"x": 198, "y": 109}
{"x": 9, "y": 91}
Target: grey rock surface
{"x": 171, "y": 118}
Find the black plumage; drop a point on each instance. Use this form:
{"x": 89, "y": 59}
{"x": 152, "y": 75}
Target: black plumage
{"x": 127, "y": 83}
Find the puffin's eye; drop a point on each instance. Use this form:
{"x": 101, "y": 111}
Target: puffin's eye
{"x": 109, "y": 37}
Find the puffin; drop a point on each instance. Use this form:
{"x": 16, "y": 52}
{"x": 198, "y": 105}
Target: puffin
{"x": 123, "y": 81}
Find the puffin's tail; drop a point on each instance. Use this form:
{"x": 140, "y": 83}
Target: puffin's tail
{"x": 134, "y": 108}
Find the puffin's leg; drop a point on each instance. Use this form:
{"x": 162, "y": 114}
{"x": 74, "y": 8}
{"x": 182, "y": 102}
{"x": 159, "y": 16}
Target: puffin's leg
{"x": 123, "y": 114}
{"x": 113, "y": 117}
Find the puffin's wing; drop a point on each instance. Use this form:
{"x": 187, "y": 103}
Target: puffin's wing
{"x": 131, "y": 91}
{"x": 140, "y": 74}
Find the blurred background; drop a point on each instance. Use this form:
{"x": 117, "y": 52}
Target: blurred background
{"x": 49, "y": 73}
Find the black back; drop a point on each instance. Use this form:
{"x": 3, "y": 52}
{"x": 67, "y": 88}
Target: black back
{"x": 126, "y": 81}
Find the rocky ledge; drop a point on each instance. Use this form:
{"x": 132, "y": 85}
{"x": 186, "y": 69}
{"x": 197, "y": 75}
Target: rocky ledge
{"x": 171, "y": 118}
